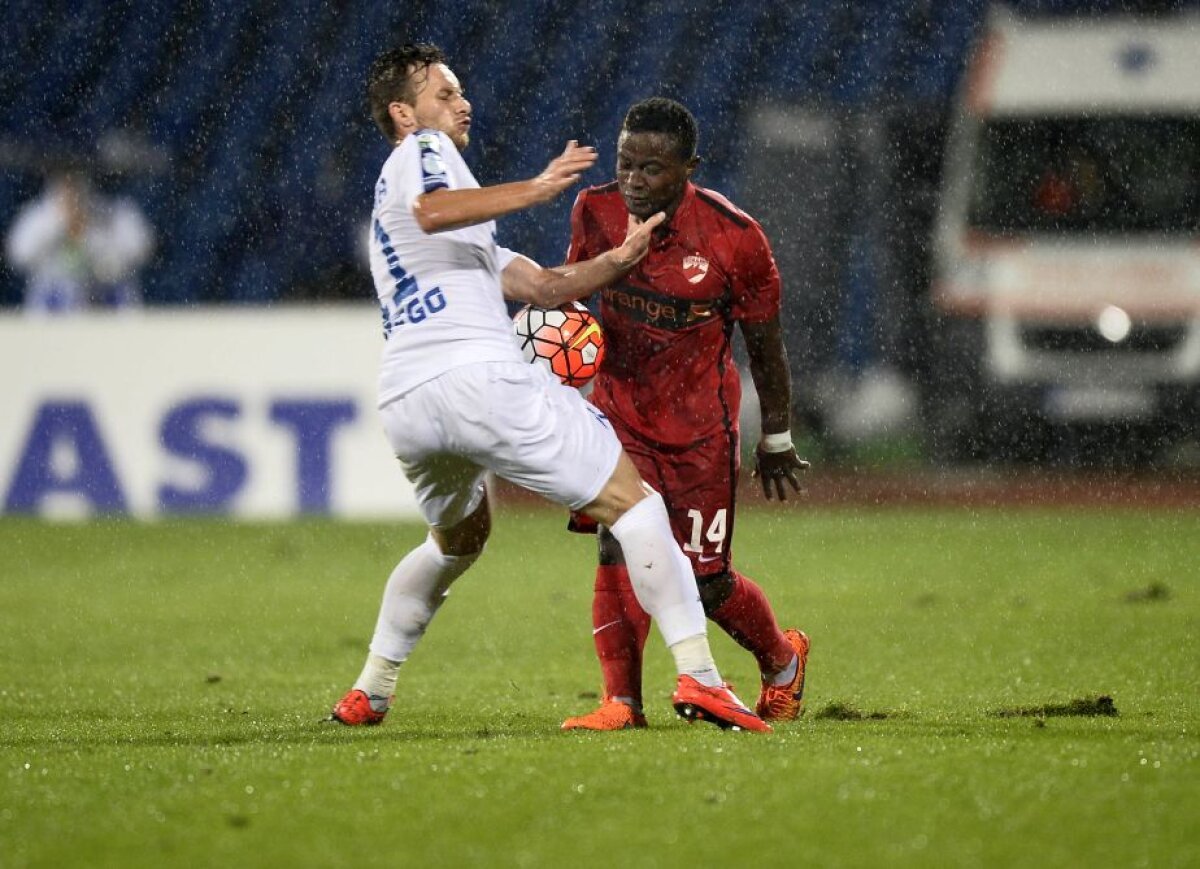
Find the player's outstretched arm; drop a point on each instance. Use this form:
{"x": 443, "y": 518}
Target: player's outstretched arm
{"x": 445, "y": 209}
{"x": 523, "y": 280}
{"x": 776, "y": 463}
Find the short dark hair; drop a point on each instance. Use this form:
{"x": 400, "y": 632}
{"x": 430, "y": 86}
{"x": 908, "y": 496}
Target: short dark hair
{"x": 393, "y": 79}
{"x": 662, "y": 115}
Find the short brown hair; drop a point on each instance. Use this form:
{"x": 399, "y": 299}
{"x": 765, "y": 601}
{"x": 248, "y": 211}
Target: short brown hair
{"x": 393, "y": 79}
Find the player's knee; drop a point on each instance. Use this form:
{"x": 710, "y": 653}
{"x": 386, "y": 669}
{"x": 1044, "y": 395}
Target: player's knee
{"x": 715, "y": 589}
{"x": 624, "y": 489}
{"x": 468, "y": 536}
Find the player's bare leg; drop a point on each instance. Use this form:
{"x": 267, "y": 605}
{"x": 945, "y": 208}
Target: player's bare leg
{"x": 414, "y": 592}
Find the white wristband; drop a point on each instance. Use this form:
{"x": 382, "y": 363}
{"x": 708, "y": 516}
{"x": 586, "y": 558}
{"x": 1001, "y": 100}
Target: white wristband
{"x": 779, "y": 442}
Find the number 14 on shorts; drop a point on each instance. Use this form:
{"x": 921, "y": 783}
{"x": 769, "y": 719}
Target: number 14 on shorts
{"x": 715, "y": 533}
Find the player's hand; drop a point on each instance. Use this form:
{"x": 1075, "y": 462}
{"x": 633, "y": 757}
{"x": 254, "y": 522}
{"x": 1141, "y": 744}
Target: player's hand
{"x": 564, "y": 170}
{"x": 637, "y": 239}
{"x": 775, "y": 470}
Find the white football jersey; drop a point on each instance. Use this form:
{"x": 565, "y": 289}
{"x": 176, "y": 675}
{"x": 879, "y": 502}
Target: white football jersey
{"x": 439, "y": 293}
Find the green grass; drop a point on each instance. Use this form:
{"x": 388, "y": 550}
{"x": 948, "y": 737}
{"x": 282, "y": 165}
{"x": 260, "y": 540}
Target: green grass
{"x": 160, "y": 686}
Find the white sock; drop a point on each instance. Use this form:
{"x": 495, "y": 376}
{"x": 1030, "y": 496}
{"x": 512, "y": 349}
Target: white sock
{"x": 415, "y": 590}
{"x": 378, "y": 681}
{"x": 787, "y": 674}
{"x": 665, "y": 586}
{"x": 693, "y": 657}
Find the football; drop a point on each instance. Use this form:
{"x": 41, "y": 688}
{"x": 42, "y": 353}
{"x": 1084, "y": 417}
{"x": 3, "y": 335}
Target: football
{"x": 567, "y": 340}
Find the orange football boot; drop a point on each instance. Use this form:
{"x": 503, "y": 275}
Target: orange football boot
{"x": 720, "y": 705}
{"x": 786, "y": 702}
{"x": 355, "y": 710}
{"x": 612, "y": 714}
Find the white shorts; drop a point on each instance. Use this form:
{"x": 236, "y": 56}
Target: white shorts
{"x": 510, "y": 418}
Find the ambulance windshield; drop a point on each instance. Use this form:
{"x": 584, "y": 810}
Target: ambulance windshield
{"x": 1076, "y": 175}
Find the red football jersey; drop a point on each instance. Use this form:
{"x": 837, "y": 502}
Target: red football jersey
{"x": 668, "y": 371}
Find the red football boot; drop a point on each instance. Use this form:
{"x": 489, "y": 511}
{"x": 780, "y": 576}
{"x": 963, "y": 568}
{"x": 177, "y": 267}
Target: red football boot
{"x": 611, "y": 715}
{"x": 355, "y": 710}
{"x": 786, "y": 702}
{"x": 720, "y": 705}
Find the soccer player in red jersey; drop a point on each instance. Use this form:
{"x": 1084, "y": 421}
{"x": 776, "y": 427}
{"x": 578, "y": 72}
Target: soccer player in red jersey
{"x": 669, "y": 386}
{"x": 452, "y": 415}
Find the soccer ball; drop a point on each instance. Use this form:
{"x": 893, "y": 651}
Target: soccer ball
{"x": 567, "y": 340}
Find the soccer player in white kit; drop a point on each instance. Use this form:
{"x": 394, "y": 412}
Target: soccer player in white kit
{"x": 457, "y": 399}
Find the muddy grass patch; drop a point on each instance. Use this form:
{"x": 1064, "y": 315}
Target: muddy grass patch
{"x": 1100, "y": 705}
{"x": 848, "y": 712}
{"x": 1152, "y": 593}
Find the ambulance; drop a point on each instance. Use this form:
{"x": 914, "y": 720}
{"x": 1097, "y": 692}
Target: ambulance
{"x": 1066, "y": 252}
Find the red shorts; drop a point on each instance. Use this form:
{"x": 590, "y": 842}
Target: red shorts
{"x": 698, "y": 485}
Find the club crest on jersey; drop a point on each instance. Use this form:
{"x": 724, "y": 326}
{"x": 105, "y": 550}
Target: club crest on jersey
{"x": 433, "y": 168}
{"x": 695, "y": 267}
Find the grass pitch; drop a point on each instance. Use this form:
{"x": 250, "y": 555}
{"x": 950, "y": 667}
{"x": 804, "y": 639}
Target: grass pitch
{"x": 161, "y": 685}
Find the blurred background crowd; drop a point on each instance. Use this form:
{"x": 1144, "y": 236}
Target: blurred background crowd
{"x": 223, "y": 154}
